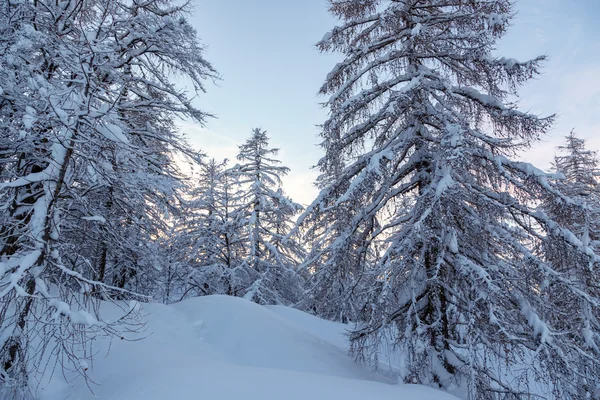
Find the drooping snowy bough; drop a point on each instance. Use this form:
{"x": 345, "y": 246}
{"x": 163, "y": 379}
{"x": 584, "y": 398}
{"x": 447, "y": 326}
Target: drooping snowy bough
{"x": 436, "y": 245}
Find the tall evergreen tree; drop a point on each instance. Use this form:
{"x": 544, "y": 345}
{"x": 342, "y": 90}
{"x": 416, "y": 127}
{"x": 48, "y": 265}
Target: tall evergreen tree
{"x": 268, "y": 215}
{"x": 87, "y": 114}
{"x": 577, "y": 168}
{"x": 422, "y": 132}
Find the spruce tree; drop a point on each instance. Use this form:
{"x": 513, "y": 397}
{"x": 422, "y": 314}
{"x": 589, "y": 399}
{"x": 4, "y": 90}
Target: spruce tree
{"x": 441, "y": 228}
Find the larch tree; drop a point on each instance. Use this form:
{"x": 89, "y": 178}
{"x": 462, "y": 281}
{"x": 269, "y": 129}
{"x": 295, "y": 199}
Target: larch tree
{"x": 580, "y": 169}
{"x": 216, "y": 233}
{"x": 171, "y": 258}
{"x": 268, "y": 216}
{"x": 333, "y": 289}
{"x": 441, "y": 224}
{"x": 577, "y": 169}
{"x": 87, "y": 110}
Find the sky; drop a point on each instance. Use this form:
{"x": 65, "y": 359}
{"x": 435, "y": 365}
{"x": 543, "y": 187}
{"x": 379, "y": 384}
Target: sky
{"x": 271, "y": 71}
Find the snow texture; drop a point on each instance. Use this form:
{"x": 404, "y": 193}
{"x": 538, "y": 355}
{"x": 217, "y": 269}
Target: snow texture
{"x": 221, "y": 347}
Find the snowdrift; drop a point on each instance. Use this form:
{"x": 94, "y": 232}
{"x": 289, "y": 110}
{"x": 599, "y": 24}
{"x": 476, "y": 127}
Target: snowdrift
{"x": 220, "y": 347}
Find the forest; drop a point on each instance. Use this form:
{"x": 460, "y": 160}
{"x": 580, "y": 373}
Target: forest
{"x": 439, "y": 249}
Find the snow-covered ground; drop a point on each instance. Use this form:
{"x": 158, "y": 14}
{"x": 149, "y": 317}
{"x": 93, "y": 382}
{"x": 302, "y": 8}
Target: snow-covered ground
{"x": 220, "y": 347}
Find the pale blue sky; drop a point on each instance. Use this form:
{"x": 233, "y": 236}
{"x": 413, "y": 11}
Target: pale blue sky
{"x": 264, "y": 50}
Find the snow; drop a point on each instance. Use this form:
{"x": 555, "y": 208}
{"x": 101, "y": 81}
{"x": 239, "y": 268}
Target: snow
{"x": 539, "y": 327}
{"x": 444, "y": 183}
{"x": 334, "y": 333}
{"x": 416, "y": 30}
{"x": 25, "y": 263}
{"x": 83, "y": 318}
{"x": 80, "y": 317}
{"x": 96, "y": 218}
{"x": 29, "y": 118}
{"x": 113, "y": 132}
{"x": 453, "y": 244}
{"x": 220, "y": 347}
{"x": 485, "y": 99}
{"x": 497, "y": 20}
{"x": 325, "y": 37}
{"x": 509, "y": 63}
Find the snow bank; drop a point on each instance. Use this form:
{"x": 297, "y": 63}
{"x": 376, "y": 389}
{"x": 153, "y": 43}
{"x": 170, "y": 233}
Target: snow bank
{"x": 220, "y": 347}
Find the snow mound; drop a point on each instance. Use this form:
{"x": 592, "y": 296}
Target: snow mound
{"x": 246, "y": 333}
{"x": 220, "y": 347}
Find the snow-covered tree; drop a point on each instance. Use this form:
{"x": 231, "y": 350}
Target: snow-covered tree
{"x": 440, "y": 223}
{"x": 333, "y": 277}
{"x": 268, "y": 216}
{"x": 171, "y": 261}
{"x": 215, "y": 233}
{"x": 87, "y": 112}
{"x": 578, "y": 172}
{"x": 577, "y": 168}
{"x": 580, "y": 167}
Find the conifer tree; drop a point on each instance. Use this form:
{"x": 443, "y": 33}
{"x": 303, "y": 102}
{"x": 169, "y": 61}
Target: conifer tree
{"x": 215, "y": 230}
{"x": 268, "y": 215}
{"x": 333, "y": 277}
{"x": 577, "y": 168}
{"x": 440, "y": 228}
{"x": 172, "y": 259}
